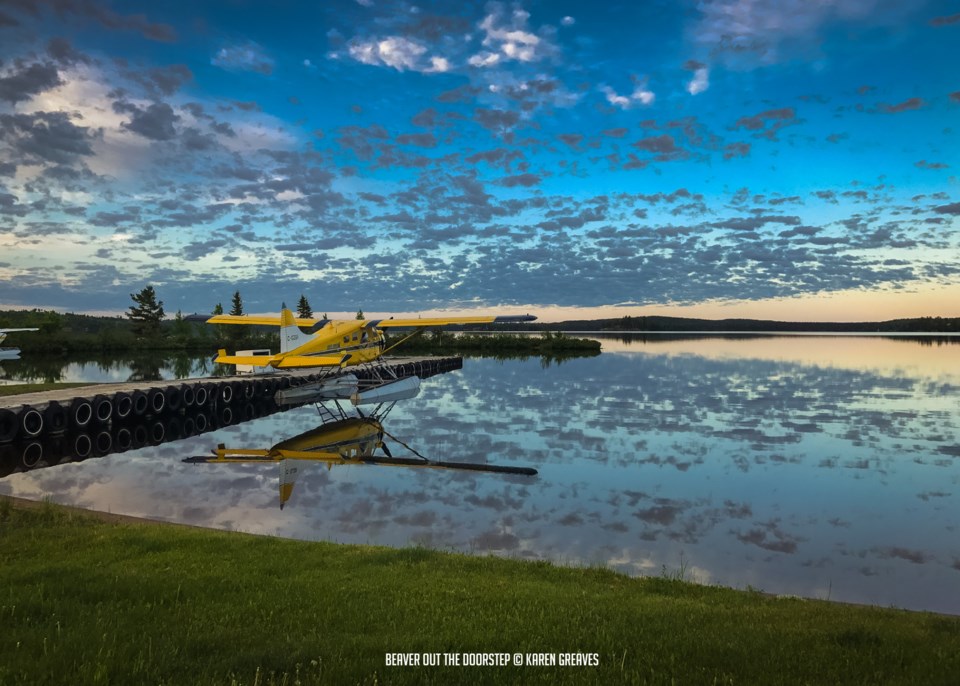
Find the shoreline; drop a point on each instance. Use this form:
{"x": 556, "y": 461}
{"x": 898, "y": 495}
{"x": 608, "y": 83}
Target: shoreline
{"x": 114, "y": 518}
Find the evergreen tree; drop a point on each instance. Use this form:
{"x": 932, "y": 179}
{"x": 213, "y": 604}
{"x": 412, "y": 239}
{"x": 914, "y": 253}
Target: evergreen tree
{"x": 147, "y": 312}
{"x": 181, "y": 331}
{"x": 360, "y": 314}
{"x": 303, "y": 308}
{"x": 219, "y": 330}
{"x": 237, "y": 308}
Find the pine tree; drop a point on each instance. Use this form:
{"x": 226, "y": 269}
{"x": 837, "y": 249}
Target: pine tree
{"x": 360, "y": 314}
{"x": 181, "y": 329}
{"x": 147, "y": 312}
{"x": 221, "y": 335}
{"x": 303, "y": 308}
{"x": 237, "y": 308}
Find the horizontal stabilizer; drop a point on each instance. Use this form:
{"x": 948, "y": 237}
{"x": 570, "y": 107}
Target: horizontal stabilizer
{"x": 296, "y": 361}
{"x": 254, "y": 360}
{"x": 282, "y": 361}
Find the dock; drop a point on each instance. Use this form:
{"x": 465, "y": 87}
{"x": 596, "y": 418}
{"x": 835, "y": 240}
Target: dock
{"x": 90, "y": 408}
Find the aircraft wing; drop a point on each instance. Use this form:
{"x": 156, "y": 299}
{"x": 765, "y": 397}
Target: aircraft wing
{"x": 444, "y": 321}
{"x": 13, "y": 330}
{"x": 240, "y": 455}
{"x": 254, "y": 321}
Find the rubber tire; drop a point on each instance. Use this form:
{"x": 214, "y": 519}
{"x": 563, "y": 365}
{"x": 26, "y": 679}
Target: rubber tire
{"x": 102, "y": 408}
{"x": 188, "y": 396}
{"x": 157, "y": 401}
{"x": 55, "y": 418}
{"x": 82, "y": 446}
{"x": 31, "y": 422}
{"x": 140, "y": 403}
{"x": 81, "y": 412}
{"x": 9, "y": 425}
{"x": 122, "y": 405}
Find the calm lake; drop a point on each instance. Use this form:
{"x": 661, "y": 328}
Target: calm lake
{"x": 818, "y": 466}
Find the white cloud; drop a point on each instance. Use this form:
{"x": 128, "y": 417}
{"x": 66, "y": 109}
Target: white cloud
{"x": 364, "y": 51}
{"x": 620, "y": 101}
{"x": 744, "y": 30}
{"x": 439, "y": 65}
{"x": 403, "y": 54}
{"x": 248, "y": 56}
{"x": 484, "y": 59}
{"x": 508, "y": 37}
{"x": 400, "y": 53}
{"x": 87, "y": 96}
{"x": 568, "y": 21}
{"x": 641, "y": 95}
{"x": 700, "y": 81}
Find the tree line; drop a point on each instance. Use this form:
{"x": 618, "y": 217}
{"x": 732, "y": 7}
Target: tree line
{"x": 146, "y": 313}
{"x": 145, "y": 326}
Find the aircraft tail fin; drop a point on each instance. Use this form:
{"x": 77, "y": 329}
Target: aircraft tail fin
{"x": 291, "y": 337}
{"x": 289, "y": 471}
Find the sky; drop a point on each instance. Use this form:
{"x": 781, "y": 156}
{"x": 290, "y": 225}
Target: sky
{"x": 782, "y": 159}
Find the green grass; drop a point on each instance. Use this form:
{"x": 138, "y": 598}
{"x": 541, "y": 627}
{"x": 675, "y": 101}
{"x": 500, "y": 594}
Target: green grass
{"x": 84, "y": 601}
{"x": 18, "y": 389}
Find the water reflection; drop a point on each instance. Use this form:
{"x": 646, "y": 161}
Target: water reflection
{"x": 98, "y": 438}
{"x": 805, "y": 470}
{"x": 343, "y": 438}
{"x": 108, "y": 368}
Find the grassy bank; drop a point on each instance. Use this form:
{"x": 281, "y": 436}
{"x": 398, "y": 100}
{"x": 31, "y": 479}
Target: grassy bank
{"x": 85, "y": 601}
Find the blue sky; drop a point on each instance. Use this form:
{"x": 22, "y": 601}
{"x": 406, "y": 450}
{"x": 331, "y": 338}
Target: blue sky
{"x": 795, "y": 160}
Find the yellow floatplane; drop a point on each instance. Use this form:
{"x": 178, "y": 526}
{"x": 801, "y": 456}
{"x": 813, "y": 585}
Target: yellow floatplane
{"x": 334, "y": 343}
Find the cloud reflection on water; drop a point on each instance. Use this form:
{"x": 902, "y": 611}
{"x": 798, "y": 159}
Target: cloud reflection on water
{"x": 799, "y": 478}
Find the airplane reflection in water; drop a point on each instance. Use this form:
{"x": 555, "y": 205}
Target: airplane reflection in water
{"x": 343, "y": 438}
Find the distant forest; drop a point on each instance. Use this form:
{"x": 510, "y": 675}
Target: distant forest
{"x": 683, "y": 324}
{"x": 78, "y": 332}
{"x": 61, "y": 333}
